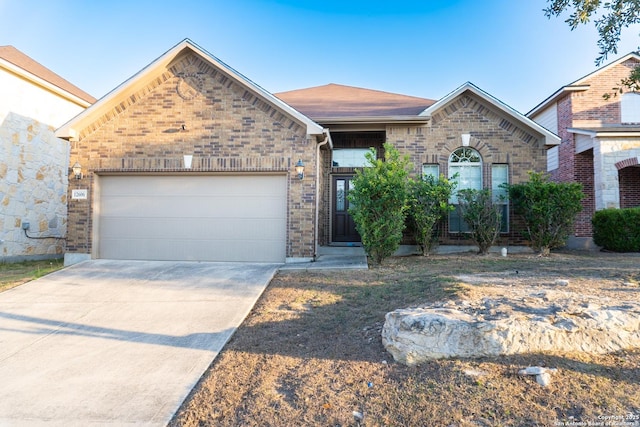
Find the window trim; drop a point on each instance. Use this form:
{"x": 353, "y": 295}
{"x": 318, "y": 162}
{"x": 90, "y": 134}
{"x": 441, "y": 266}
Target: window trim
{"x": 362, "y": 150}
{"x": 505, "y": 228}
{"x": 630, "y": 108}
{"x": 468, "y": 161}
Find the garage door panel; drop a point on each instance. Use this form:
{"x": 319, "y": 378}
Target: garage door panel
{"x": 233, "y": 184}
{"x": 203, "y": 218}
{"x": 192, "y": 206}
{"x": 189, "y": 250}
{"x": 191, "y": 228}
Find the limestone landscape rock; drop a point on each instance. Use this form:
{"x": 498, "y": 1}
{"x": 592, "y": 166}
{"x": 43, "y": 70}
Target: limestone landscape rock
{"x": 528, "y": 322}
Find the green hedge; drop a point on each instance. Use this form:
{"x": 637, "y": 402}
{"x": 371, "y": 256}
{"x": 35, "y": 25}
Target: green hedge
{"x": 617, "y": 230}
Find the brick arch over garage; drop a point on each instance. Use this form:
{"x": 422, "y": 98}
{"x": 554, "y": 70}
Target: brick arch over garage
{"x": 629, "y": 182}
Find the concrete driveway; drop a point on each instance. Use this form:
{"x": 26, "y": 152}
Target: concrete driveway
{"x": 117, "y": 342}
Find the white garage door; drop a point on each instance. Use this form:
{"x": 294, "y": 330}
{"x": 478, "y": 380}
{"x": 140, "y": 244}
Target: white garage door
{"x": 193, "y": 218}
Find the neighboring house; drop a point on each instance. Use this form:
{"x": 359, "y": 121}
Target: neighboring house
{"x": 190, "y": 160}
{"x": 600, "y": 141}
{"x": 34, "y": 101}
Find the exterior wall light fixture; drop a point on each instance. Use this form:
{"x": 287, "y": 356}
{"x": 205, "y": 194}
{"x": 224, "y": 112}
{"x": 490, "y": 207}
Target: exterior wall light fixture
{"x": 300, "y": 169}
{"x": 77, "y": 170}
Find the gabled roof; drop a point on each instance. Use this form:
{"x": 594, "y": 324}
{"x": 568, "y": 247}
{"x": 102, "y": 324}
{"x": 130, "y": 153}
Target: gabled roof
{"x": 550, "y": 137}
{"x": 19, "y": 63}
{"x": 580, "y": 84}
{"x": 336, "y": 103}
{"x": 104, "y": 104}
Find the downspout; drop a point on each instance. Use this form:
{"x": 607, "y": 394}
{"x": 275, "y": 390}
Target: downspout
{"x": 318, "y": 195}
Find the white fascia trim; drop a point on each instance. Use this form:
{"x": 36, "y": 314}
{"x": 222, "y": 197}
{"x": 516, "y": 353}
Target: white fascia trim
{"x": 544, "y": 104}
{"x": 587, "y": 132}
{"x": 605, "y": 133}
{"x": 43, "y": 83}
{"x": 579, "y": 84}
{"x": 604, "y": 67}
{"x": 549, "y": 137}
{"x": 63, "y": 132}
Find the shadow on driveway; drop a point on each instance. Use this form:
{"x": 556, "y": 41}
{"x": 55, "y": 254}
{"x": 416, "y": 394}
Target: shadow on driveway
{"x": 117, "y": 342}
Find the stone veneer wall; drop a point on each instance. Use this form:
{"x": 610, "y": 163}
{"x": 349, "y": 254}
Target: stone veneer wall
{"x": 33, "y": 169}
{"x": 608, "y": 152}
{"x": 228, "y": 128}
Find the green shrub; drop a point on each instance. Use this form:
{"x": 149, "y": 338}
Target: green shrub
{"x": 617, "y": 230}
{"x": 378, "y": 202}
{"x": 549, "y": 210}
{"x": 428, "y": 204}
{"x": 482, "y": 216}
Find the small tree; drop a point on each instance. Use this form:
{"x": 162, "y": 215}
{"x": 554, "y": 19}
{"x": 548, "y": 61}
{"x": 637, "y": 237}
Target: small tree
{"x": 482, "y": 217}
{"x": 378, "y": 202}
{"x": 428, "y": 204}
{"x": 549, "y": 210}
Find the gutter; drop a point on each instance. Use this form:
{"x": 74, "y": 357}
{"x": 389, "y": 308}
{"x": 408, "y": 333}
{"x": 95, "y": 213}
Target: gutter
{"x": 356, "y": 120}
{"x": 327, "y": 139}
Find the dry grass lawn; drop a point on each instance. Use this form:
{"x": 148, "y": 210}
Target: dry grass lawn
{"x": 310, "y": 353}
{"x": 15, "y": 274}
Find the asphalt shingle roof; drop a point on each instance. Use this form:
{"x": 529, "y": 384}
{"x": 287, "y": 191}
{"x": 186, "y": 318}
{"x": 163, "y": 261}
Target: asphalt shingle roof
{"x": 333, "y": 100}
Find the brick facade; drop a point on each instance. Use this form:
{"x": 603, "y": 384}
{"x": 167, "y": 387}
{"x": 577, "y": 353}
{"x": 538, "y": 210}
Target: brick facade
{"x": 630, "y": 187}
{"x": 497, "y": 137}
{"x": 192, "y": 107}
{"x": 584, "y": 175}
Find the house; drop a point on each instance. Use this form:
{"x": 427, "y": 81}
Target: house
{"x": 191, "y": 160}
{"x": 33, "y": 162}
{"x": 600, "y": 145}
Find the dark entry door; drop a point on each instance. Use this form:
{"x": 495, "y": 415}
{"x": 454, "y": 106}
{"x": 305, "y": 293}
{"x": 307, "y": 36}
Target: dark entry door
{"x": 344, "y": 228}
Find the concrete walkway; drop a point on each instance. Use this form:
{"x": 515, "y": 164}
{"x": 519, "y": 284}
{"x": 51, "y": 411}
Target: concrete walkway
{"x": 334, "y": 258}
{"x": 113, "y": 343}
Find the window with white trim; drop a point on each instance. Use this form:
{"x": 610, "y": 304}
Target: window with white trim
{"x": 431, "y": 169}
{"x": 465, "y": 169}
{"x": 630, "y": 107}
{"x": 499, "y": 194}
{"x": 349, "y": 157}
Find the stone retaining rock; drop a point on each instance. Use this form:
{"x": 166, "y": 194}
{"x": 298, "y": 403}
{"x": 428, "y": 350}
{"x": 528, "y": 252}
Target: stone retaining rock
{"x": 547, "y": 321}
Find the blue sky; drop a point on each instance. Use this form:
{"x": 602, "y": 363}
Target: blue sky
{"x": 422, "y": 48}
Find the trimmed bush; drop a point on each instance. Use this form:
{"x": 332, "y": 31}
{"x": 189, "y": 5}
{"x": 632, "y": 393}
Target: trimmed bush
{"x": 482, "y": 216}
{"x": 549, "y": 210}
{"x": 378, "y": 202}
{"x": 617, "y": 230}
{"x": 428, "y": 205}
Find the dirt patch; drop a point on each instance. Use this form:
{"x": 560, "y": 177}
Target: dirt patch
{"x": 310, "y": 352}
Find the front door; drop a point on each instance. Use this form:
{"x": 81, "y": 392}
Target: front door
{"x": 344, "y": 228}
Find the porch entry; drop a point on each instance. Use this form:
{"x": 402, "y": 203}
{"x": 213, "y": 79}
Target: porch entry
{"x": 343, "y": 225}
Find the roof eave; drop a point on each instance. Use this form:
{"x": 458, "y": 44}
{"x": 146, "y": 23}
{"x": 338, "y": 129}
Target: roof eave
{"x": 93, "y": 112}
{"x": 20, "y": 72}
{"x": 554, "y": 97}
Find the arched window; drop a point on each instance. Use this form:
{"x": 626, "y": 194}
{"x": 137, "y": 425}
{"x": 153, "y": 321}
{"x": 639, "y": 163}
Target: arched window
{"x": 465, "y": 168}
{"x": 467, "y": 164}
{"x": 630, "y": 107}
